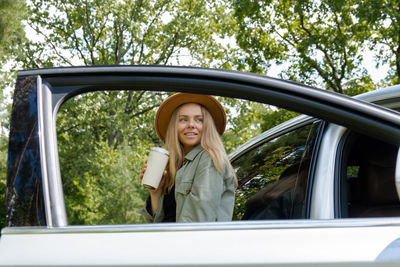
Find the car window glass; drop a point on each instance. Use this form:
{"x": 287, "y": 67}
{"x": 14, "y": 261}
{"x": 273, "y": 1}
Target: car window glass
{"x": 273, "y": 176}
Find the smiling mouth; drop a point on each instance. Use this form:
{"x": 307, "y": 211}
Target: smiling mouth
{"x": 190, "y": 134}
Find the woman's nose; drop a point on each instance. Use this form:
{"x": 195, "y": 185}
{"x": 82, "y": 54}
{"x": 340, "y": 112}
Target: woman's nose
{"x": 191, "y": 123}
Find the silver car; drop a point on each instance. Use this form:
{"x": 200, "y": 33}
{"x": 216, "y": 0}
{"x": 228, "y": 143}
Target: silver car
{"x": 321, "y": 189}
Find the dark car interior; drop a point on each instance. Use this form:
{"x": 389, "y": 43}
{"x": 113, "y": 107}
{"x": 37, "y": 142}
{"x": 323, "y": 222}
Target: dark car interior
{"x": 370, "y": 179}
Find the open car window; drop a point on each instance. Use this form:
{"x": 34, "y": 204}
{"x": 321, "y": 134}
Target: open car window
{"x": 103, "y": 139}
{"x": 366, "y": 184}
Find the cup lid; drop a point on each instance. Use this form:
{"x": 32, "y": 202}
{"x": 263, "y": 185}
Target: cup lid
{"x": 160, "y": 150}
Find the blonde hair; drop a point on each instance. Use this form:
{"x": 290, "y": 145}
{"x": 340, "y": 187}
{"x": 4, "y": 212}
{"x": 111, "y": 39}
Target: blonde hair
{"x": 210, "y": 142}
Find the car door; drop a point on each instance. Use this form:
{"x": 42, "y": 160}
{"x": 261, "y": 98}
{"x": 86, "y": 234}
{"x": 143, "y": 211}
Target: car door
{"x": 36, "y": 193}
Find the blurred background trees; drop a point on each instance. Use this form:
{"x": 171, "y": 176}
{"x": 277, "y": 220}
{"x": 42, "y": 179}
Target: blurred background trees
{"x": 104, "y": 137}
{"x": 12, "y": 34}
{"x": 321, "y": 41}
{"x": 12, "y": 37}
{"x": 381, "y": 24}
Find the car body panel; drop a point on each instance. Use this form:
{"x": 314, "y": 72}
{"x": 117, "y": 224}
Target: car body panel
{"x": 264, "y": 243}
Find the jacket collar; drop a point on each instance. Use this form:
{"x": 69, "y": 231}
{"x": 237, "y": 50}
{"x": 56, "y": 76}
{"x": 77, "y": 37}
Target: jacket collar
{"x": 193, "y": 153}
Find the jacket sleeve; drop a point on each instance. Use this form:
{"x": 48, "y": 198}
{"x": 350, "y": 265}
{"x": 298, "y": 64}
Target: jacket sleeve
{"x": 148, "y": 217}
{"x": 202, "y": 199}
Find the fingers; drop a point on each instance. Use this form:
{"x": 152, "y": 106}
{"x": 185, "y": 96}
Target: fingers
{"x": 158, "y": 191}
{"x": 142, "y": 173}
{"x": 143, "y": 170}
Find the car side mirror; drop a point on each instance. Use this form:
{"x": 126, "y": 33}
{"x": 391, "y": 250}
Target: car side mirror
{"x": 397, "y": 174}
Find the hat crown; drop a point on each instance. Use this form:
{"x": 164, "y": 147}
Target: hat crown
{"x": 169, "y": 105}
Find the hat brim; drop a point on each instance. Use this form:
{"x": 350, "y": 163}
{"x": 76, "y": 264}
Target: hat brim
{"x": 169, "y": 105}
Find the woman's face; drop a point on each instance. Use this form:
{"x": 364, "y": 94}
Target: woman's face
{"x": 190, "y": 125}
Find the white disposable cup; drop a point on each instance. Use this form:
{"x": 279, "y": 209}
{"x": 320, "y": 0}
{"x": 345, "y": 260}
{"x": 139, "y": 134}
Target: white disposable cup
{"x": 156, "y": 163}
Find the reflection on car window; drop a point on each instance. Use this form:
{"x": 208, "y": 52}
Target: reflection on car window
{"x": 273, "y": 177}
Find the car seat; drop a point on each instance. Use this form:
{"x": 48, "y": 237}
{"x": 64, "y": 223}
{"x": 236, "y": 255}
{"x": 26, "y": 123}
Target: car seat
{"x": 376, "y": 195}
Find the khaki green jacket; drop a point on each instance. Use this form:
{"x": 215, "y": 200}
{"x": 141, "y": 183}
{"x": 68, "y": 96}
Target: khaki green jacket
{"x": 202, "y": 194}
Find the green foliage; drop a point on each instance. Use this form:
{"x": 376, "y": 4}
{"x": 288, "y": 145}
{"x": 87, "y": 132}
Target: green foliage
{"x": 103, "y": 139}
{"x": 380, "y": 20}
{"x": 12, "y": 37}
{"x": 277, "y": 117}
{"x": 130, "y": 32}
{"x": 320, "y": 40}
{"x": 244, "y": 120}
{"x": 103, "y": 128}
{"x": 12, "y": 12}
{"x": 3, "y": 173}
{"x": 6, "y": 80}
{"x": 109, "y": 191}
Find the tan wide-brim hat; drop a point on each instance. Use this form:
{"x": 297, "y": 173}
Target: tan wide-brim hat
{"x": 169, "y": 105}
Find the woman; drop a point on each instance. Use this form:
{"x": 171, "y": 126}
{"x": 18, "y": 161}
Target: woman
{"x": 199, "y": 184}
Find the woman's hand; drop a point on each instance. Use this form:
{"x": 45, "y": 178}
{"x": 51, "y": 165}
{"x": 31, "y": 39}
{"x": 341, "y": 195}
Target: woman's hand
{"x": 157, "y": 191}
{"x": 143, "y": 170}
{"x": 155, "y": 194}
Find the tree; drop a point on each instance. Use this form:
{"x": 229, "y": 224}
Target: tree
{"x": 3, "y": 171}
{"x": 120, "y": 32}
{"x": 12, "y": 34}
{"x": 104, "y": 137}
{"x": 245, "y": 120}
{"x": 320, "y": 40}
{"x": 381, "y": 23}
{"x": 12, "y": 37}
